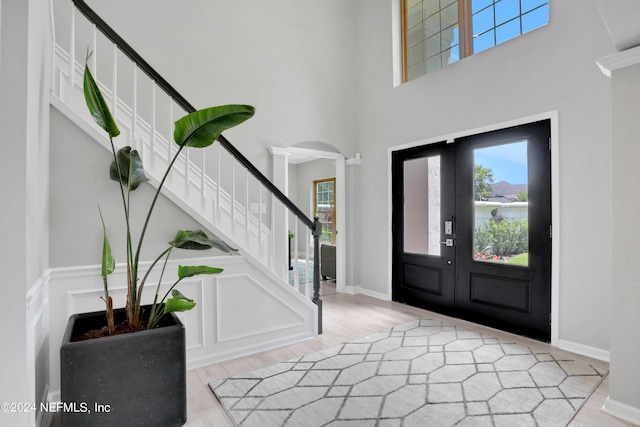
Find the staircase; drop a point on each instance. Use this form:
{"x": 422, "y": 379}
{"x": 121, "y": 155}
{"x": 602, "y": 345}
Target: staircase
{"x": 217, "y": 186}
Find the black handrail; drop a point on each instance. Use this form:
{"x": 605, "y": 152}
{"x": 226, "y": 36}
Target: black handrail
{"x": 314, "y": 225}
{"x": 180, "y": 100}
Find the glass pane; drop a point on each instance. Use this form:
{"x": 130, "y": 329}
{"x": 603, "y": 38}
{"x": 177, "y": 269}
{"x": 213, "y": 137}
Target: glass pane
{"x": 506, "y": 10}
{"x": 414, "y": 16}
{"x": 325, "y": 209}
{"x": 415, "y": 54}
{"x": 433, "y": 64}
{"x": 527, "y": 5}
{"x": 477, "y": 5}
{"x": 449, "y": 16}
{"x": 482, "y": 21}
{"x": 483, "y": 42}
{"x": 449, "y": 37}
{"x": 414, "y": 35}
{"x": 429, "y": 7}
{"x": 327, "y": 233}
{"x": 508, "y": 31}
{"x": 416, "y": 70}
{"x": 450, "y": 56}
{"x": 534, "y": 19}
{"x": 422, "y": 206}
{"x": 432, "y": 46}
{"x": 501, "y": 206}
{"x": 431, "y": 25}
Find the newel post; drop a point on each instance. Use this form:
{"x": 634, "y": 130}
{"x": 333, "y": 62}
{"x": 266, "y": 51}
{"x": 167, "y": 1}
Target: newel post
{"x": 317, "y": 232}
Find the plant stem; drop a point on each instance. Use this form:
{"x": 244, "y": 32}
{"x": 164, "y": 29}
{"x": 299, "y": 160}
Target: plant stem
{"x": 152, "y": 316}
{"x": 153, "y": 203}
{"x": 156, "y": 320}
{"x": 130, "y": 290}
{"x": 169, "y": 291}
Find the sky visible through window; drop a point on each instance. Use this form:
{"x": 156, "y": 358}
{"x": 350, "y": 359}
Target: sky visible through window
{"x": 508, "y": 161}
{"x": 434, "y": 37}
{"x": 496, "y": 21}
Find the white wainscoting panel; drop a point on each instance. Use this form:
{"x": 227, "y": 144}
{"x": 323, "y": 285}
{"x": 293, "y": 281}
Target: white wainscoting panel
{"x": 38, "y": 346}
{"x": 240, "y": 298}
{"x": 244, "y": 310}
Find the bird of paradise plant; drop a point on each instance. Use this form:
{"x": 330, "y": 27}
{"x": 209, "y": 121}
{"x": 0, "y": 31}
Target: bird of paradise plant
{"x": 197, "y": 130}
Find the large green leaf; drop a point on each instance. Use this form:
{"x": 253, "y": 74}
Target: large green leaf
{"x": 108, "y": 262}
{"x": 185, "y": 271}
{"x": 201, "y": 128}
{"x": 178, "y": 303}
{"x": 128, "y": 160}
{"x": 198, "y": 240}
{"x": 98, "y": 106}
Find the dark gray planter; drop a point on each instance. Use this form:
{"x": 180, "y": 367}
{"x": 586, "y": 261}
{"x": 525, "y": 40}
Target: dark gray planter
{"x": 136, "y": 379}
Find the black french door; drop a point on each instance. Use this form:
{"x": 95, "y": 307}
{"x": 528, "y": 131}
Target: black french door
{"x": 472, "y": 228}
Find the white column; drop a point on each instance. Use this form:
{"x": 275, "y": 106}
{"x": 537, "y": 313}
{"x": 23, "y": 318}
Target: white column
{"x": 624, "y": 387}
{"x": 25, "y": 63}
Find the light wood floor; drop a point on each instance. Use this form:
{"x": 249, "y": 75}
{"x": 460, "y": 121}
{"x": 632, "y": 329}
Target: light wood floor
{"x": 347, "y": 317}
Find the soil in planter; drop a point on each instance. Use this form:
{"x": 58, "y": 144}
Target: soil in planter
{"x": 120, "y": 328}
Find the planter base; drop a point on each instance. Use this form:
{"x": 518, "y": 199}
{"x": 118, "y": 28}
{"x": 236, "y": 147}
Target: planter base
{"x": 135, "y": 379}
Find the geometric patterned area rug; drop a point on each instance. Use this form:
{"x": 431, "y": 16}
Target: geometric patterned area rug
{"x": 423, "y": 373}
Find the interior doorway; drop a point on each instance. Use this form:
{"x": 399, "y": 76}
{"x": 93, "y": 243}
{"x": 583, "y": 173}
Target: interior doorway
{"x": 299, "y": 156}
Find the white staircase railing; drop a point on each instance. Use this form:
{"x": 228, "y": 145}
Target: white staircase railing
{"x": 218, "y": 186}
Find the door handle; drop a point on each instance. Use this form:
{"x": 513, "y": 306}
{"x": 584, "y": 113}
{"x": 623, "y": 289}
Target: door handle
{"x": 447, "y": 242}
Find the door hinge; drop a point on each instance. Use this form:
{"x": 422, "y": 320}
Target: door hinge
{"x": 549, "y": 143}
{"x": 551, "y": 231}
{"x": 549, "y": 319}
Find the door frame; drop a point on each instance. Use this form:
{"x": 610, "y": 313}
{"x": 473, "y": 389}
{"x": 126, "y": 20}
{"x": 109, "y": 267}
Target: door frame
{"x": 552, "y": 116}
{"x": 341, "y": 188}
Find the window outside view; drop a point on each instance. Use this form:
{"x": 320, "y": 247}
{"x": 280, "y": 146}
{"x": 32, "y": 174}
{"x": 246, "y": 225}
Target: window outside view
{"x": 325, "y": 208}
{"x": 441, "y": 32}
{"x": 501, "y": 204}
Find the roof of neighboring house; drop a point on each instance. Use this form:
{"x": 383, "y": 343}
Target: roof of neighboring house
{"x": 504, "y": 191}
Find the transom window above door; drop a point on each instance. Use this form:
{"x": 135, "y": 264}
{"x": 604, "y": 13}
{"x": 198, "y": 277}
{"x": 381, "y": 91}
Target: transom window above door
{"x": 437, "y": 33}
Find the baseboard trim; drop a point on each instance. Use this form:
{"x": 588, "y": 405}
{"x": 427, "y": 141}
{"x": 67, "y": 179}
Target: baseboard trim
{"x": 584, "y": 350}
{"x": 44, "y": 418}
{"x": 621, "y": 410}
{"x": 368, "y": 292}
{"x": 199, "y": 362}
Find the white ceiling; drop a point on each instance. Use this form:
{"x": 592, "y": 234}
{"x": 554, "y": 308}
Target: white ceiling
{"x": 621, "y": 18}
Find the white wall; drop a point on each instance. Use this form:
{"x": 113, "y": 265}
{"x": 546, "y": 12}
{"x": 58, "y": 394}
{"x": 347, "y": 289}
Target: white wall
{"x": 292, "y": 60}
{"x": 237, "y": 312}
{"x": 548, "y": 69}
{"x": 24, "y": 85}
{"x": 295, "y": 62}
{"x": 80, "y": 183}
{"x": 624, "y": 394}
{"x": 301, "y": 177}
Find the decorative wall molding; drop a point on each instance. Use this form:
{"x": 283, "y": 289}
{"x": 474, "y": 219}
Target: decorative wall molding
{"x": 619, "y": 60}
{"x": 242, "y": 290}
{"x": 244, "y": 310}
{"x": 38, "y": 342}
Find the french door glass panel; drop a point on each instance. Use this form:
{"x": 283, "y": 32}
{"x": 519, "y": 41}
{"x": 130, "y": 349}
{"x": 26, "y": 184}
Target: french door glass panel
{"x": 422, "y": 206}
{"x": 501, "y": 206}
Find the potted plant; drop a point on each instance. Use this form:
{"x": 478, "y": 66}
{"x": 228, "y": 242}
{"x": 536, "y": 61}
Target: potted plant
{"x": 127, "y": 366}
